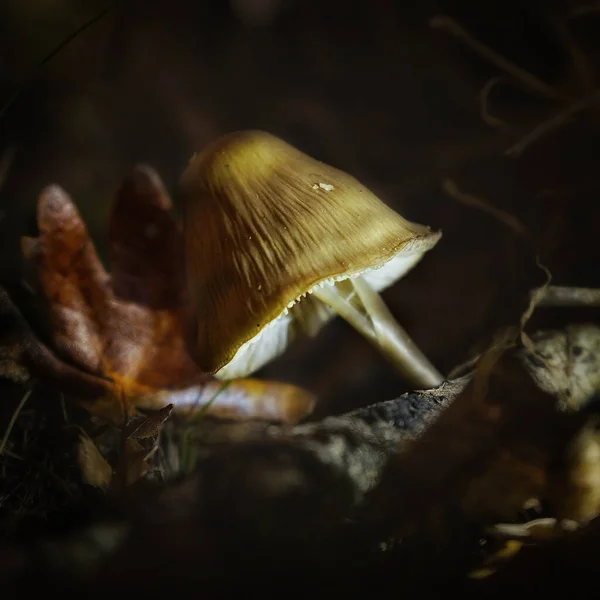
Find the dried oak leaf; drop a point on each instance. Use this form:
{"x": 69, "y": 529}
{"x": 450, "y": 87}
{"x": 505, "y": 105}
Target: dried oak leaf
{"x": 125, "y": 331}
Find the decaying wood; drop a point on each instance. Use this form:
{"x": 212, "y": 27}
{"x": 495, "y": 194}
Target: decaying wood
{"x": 358, "y": 445}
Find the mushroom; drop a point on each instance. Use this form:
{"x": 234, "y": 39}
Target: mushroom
{"x": 277, "y": 243}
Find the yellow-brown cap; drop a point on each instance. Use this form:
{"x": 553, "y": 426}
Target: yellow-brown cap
{"x": 264, "y": 224}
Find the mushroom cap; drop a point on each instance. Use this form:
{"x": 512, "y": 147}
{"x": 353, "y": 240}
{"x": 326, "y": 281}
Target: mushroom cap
{"x": 264, "y": 224}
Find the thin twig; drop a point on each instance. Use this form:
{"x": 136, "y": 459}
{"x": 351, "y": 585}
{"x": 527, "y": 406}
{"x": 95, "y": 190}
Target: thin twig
{"x": 562, "y": 118}
{"x": 579, "y": 59}
{"x": 484, "y": 101}
{"x": 33, "y": 74}
{"x": 530, "y": 81}
{"x": 567, "y": 296}
{"x": 469, "y": 200}
{"x": 526, "y": 340}
{"x": 535, "y": 297}
{"x": 13, "y": 420}
{"x": 6, "y": 162}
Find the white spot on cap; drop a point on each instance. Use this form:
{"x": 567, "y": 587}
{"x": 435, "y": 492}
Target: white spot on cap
{"x": 326, "y": 186}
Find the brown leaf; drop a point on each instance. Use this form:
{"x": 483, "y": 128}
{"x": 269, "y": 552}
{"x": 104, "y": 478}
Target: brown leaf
{"x": 140, "y": 428}
{"x": 94, "y": 468}
{"x": 122, "y": 337}
{"x": 131, "y": 466}
{"x": 145, "y": 243}
{"x": 92, "y": 326}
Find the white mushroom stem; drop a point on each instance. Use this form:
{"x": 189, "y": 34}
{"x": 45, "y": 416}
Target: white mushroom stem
{"x": 380, "y": 328}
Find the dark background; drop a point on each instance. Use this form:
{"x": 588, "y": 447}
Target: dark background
{"x": 367, "y": 86}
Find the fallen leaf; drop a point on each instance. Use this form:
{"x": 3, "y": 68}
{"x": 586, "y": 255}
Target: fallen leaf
{"x": 95, "y": 325}
{"x": 144, "y": 427}
{"x": 121, "y": 337}
{"x": 132, "y": 465}
{"x": 94, "y": 468}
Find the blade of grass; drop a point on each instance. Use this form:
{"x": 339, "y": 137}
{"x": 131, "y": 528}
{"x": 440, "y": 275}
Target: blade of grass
{"x": 196, "y": 418}
{"x": 13, "y": 420}
{"x": 188, "y": 456}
